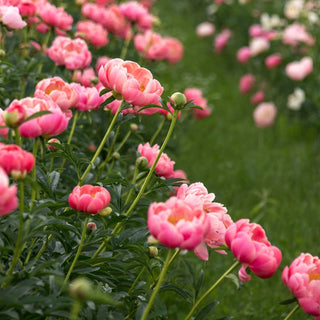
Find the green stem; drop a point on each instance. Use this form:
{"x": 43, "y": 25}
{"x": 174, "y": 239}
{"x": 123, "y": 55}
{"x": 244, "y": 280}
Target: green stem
{"x": 124, "y": 140}
{"x": 83, "y": 235}
{"x": 44, "y": 46}
{"x": 17, "y": 136}
{"x": 44, "y": 246}
{"x": 296, "y": 307}
{"x": 133, "y": 181}
{"x": 33, "y": 173}
{"x": 76, "y": 308}
{"x": 33, "y": 243}
{"x": 117, "y": 228}
{"x": 103, "y": 141}
{"x": 195, "y": 306}
{"x": 125, "y": 48}
{"x": 156, "y": 289}
{"x": 158, "y": 130}
{"x": 136, "y": 280}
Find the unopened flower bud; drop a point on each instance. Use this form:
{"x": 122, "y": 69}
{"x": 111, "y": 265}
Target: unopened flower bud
{"x": 14, "y": 116}
{"x": 117, "y": 95}
{"x": 2, "y": 53}
{"x": 179, "y": 100}
{"x": 18, "y": 174}
{"x": 134, "y": 127}
{"x": 142, "y": 163}
{"x": 105, "y": 212}
{"x": 91, "y": 226}
{"x": 153, "y": 251}
{"x": 53, "y": 140}
{"x": 80, "y": 289}
{"x": 152, "y": 240}
{"x": 92, "y": 147}
{"x": 116, "y": 155}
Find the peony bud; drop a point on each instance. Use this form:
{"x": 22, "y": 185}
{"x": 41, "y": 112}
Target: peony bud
{"x": 14, "y": 116}
{"x": 105, "y": 212}
{"x": 91, "y": 226}
{"x": 134, "y": 127}
{"x": 153, "y": 251}
{"x": 142, "y": 163}
{"x": 53, "y": 140}
{"x": 80, "y": 289}
{"x": 179, "y": 100}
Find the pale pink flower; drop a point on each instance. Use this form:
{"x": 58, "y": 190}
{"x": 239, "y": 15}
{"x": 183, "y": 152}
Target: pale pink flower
{"x": 244, "y": 54}
{"x": 92, "y": 32}
{"x": 250, "y": 246}
{"x": 15, "y": 161}
{"x": 73, "y": 54}
{"x": 89, "y": 199}
{"x": 92, "y": 11}
{"x": 164, "y": 167}
{"x": 273, "y": 60}
{"x": 59, "y": 91}
{"x": 257, "y": 98}
{"x": 101, "y": 61}
{"x": 134, "y": 83}
{"x": 3, "y": 131}
{"x": 174, "y": 50}
{"x": 178, "y": 223}
{"x": 265, "y": 114}
{"x": 195, "y": 95}
{"x": 256, "y": 30}
{"x": 246, "y": 83}
{"x": 222, "y": 40}
{"x": 302, "y": 277}
{"x": 10, "y": 16}
{"x": 86, "y": 77}
{"x": 295, "y": 34}
{"x": 205, "y": 29}
{"x": 298, "y": 70}
{"x": 89, "y": 98}
{"x": 258, "y": 45}
{"x": 8, "y": 195}
{"x": 47, "y": 125}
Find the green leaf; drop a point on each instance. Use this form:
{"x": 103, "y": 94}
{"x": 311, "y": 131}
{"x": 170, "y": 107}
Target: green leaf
{"x": 234, "y": 279}
{"x": 206, "y": 310}
{"x": 103, "y": 91}
{"x": 107, "y": 101}
{"x": 37, "y": 114}
{"x": 199, "y": 283}
{"x": 288, "y": 301}
{"x": 182, "y": 292}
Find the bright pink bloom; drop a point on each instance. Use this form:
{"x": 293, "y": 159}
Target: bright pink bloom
{"x": 89, "y": 199}
{"x": 8, "y": 195}
{"x": 134, "y": 83}
{"x": 92, "y": 11}
{"x": 264, "y": 114}
{"x": 295, "y": 34}
{"x": 257, "y": 98}
{"x": 47, "y": 125}
{"x": 250, "y": 246}
{"x": 178, "y": 223}
{"x": 101, "y": 61}
{"x": 243, "y": 54}
{"x": 86, "y": 77}
{"x": 3, "y": 131}
{"x": 13, "y": 116}
{"x": 298, "y": 70}
{"x": 73, "y": 54}
{"x": 195, "y": 95}
{"x": 222, "y": 40}
{"x": 59, "y": 91}
{"x": 256, "y": 30}
{"x": 27, "y": 8}
{"x": 205, "y": 29}
{"x": 302, "y": 277}
{"x": 15, "y": 161}
{"x": 246, "y": 83}
{"x": 273, "y": 60}
{"x": 92, "y": 32}
{"x": 164, "y": 167}
{"x": 174, "y": 50}
{"x": 89, "y": 98}
{"x": 11, "y": 17}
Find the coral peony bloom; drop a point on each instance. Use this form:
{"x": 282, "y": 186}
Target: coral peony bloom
{"x": 10, "y": 16}
{"x": 8, "y": 195}
{"x": 134, "y": 83}
{"x": 174, "y": 50}
{"x": 73, "y": 54}
{"x": 86, "y": 77}
{"x": 264, "y": 114}
{"x": 195, "y": 95}
{"x": 295, "y": 34}
{"x": 164, "y": 167}
{"x": 205, "y": 29}
{"x": 222, "y": 40}
{"x": 47, "y": 125}
{"x": 243, "y": 54}
{"x": 257, "y": 98}
{"x": 3, "y": 131}
{"x": 92, "y": 32}
{"x": 59, "y": 91}
{"x": 298, "y": 70}
{"x": 89, "y": 199}
{"x": 273, "y": 60}
{"x": 15, "y": 161}
{"x": 246, "y": 83}
{"x": 101, "y": 62}
{"x": 250, "y": 246}
{"x": 178, "y": 223}
{"x": 302, "y": 277}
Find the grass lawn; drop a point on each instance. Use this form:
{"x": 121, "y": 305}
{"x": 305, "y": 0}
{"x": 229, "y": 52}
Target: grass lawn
{"x": 270, "y": 175}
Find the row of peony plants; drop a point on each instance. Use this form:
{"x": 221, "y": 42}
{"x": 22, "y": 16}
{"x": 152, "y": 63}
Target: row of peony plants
{"x": 93, "y": 211}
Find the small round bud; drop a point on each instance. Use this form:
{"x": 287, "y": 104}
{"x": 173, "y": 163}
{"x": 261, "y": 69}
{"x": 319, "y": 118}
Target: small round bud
{"x": 134, "y": 127}
{"x": 53, "y": 140}
{"x": 92, "y": 147}
{"x": 117, "y": 95}
{"x": 91, "y": 226}
{"x": 179, "y": 100}
{"x": 153, "y": 251}
{"x": 80, "y": 289}
{"x": 14, "y": 116}
{"x": 116, "y": 155}
{"x": 105, "y": 212}
{"x": 2, "y": 53}
{"x": 142, "y": 163}
{"x": 152, "y": 240}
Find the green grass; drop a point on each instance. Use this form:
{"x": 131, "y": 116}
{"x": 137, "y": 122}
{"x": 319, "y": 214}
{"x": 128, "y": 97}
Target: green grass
{"x": 243, "y": 165}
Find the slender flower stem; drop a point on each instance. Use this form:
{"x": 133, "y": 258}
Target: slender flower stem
{"x": 33, "y": 173}
{"x": 39, "y": 254}
{"x": 117, "y": 228}
{"x": 83, "y": 235}
{"x": 296, "y": 307}
{"x": 196, "y": 305}
{"x": 133, "y": 181}
{"x": 17, "y": 136}
{"x": 76, "y": 308}
{"x": 158, "y": 130}
{"x": 103, "y": 141}
{"x": 157, "y": 287}
{"x": 125, "y": 48}
{"x": 136, "y": 280}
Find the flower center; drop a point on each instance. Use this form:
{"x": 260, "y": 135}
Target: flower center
{"x": 314, "y": 276}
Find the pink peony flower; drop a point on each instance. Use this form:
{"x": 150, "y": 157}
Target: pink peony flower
{"x": 101, "y": 61}
{"x": 243, "y": 54}
{"x": 302, "y": 277}
{"x": 295, "y": 34}
{"x": 10, "y": 16}
{"x": 264, "y": 114}
{"x": 15, "y": 161}
{"x": 273, "y": 60}
{"x": 298, "y": 70}
{"x": 59, "y": 91}
{"x": 8, "y": 195}
{"x": 222, "y": 40}
{"x": 86, "y": 77}
{"x": 205, "y": 29}
{"x": 164, "y": 167}
{"x": 178, "y": 223}
{"x": 174, "y": 50}
{"x": 256, "y": 30}
{"x": 257, "y": 98}
{"x": 3, "y": 131}
{"x": 73, "y": 54}
{"x": 89, "y": 199}
{"x": 134, "y": 83}
{"x": 195, "y": 95}
{"x": 250, "y": 246}
{"x": 246, "y": 83}
{"x": 258, "y": 45}
{"x": 92, "y": 32}
{"x": 27, "y": 8}
{"x": 47, "y": 125}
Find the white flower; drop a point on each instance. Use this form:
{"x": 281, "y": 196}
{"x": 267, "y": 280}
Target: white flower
{"x": 293, "y": 9}
{"x": 258, "y": 45}
{"x": 296, "y": 99}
